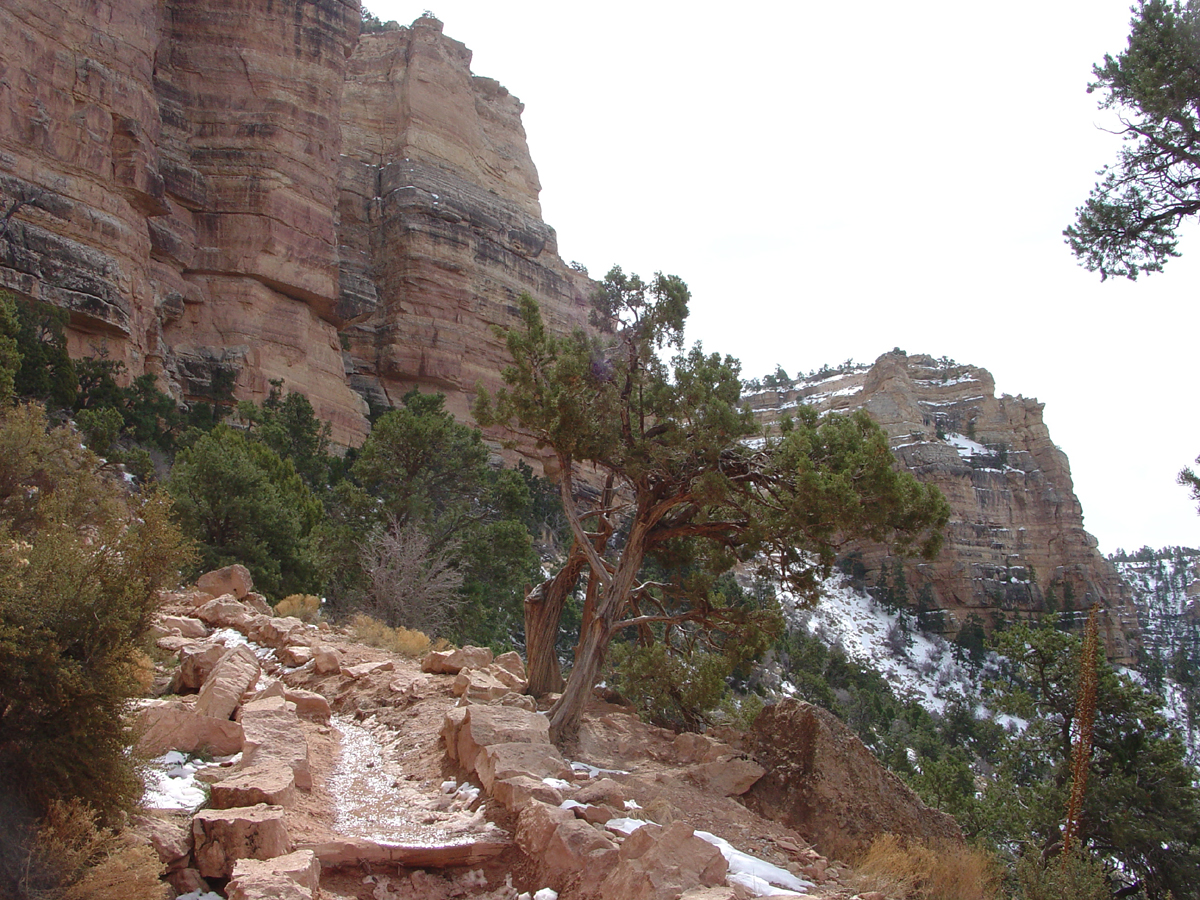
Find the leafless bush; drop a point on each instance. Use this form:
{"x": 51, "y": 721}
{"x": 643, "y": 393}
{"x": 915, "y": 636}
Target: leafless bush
{"x": 410, "y": 583}
{"x": 72, "y": 857}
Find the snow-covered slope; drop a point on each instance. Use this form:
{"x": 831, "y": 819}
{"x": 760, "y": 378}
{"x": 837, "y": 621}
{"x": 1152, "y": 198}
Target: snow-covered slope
{"x": 1166, "y": 587}
{"x": 918, "y": 666}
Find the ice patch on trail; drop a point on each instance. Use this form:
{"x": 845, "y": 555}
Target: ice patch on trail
{"x": 372, "y": 799}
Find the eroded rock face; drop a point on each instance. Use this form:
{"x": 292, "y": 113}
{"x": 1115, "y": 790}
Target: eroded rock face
{"x": 235, "y": 193}
{"x": 822, "y": 781}
{"x": 1015, "y": 546}
{"x": 440, "y": 223}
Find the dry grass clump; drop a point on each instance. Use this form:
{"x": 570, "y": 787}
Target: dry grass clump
{"x": 401, "y": 641}
{"x": 911, "y": 870}
{"x": 304, "y": 607}
{"x": 73, "y": 858}
{"x": 657, "y": 810}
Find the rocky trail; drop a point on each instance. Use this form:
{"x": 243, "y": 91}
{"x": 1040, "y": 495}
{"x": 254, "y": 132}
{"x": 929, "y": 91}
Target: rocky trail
{"x": 338, "y": 770}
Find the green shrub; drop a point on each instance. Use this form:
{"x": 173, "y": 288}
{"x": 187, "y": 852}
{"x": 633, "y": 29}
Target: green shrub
{"x": 671, "y": 691}
{"x": 81, "y": 565}
{"x": 243, "y": 504}
{"x": 1079, "y": 877}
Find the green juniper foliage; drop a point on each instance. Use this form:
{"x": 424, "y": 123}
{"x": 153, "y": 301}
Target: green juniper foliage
{"x": 670, "y": 438}
{"x": 1142, "y": 806}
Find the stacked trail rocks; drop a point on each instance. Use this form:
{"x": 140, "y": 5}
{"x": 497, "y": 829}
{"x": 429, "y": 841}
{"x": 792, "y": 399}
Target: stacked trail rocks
{"x": 496, "y": 735}
{"x": 221, "y": 711}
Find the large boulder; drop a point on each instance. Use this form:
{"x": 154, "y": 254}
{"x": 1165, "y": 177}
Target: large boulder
{"x": 223, "y": 836}
{"x": 185, "y": 625}
{"x": 235, "y": 674}
{"x": 562, "y": 844}
{"x": 226, "y": 612}
{"x": 196, "y": 663}
{"x": 483, "y": 726}
{"x": 823, "y": 782}
{"x": 170, "y": 834}
{"x": 479, "y": 686}
{"x": 730, "y": 776}
{"x": 233, "y": 579}
{"x": 164, "y": 725}
{"x": 451, "y": 662}
{"x": 658, "y": 863}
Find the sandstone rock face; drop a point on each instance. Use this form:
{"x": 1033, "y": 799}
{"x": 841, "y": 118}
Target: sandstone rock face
{"x": 226, "y": 194}
{"x": 822, "y": 781}
{"x": 1015, "y": 545}
{"x": 439, "y": 214}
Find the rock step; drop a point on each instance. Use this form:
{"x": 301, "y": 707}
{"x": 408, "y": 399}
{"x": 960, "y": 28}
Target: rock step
{"x": 352, "y": 851}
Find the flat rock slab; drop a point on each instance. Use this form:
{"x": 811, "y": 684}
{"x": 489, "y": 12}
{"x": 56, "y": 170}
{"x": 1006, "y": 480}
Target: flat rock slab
{"x": 223, "y": 836}
{"x": 274, "y": 734}
{"x": 352, "y": 851}
{"x": 295, "y": 876}
{"x": 369, "y": 668}
{"x": 272, "y": 783}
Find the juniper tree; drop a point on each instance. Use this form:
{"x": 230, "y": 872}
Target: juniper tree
{"x": 685, "y": 472}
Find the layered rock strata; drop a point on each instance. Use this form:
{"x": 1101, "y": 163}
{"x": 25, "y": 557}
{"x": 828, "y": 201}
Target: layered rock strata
{"x": 230, "y": 194}
{"x": 439, "y": 219}
{"x": 1015, "y": 546}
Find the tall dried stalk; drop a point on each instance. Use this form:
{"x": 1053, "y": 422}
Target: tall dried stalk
{"x": 1085, "y": 725}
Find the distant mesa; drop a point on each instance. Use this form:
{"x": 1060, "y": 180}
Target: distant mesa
{"x": 1016, "y": 546}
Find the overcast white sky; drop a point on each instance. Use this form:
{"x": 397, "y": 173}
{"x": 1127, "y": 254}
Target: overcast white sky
{"x": 835, "y": 180}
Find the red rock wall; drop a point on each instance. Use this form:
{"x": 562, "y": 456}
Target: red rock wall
{"x": 1015, "y": 545}
{"x": 439, "y": 213}
{"x": 244, "y": 185}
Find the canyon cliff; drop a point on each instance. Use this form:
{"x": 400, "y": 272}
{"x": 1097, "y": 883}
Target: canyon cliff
{"x": 239, "y": 193}
{"x": 234, "y": 194}
{"x": 1015, "y": 546}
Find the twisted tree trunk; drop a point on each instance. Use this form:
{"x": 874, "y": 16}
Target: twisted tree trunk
{"x": 543, "y": 610}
